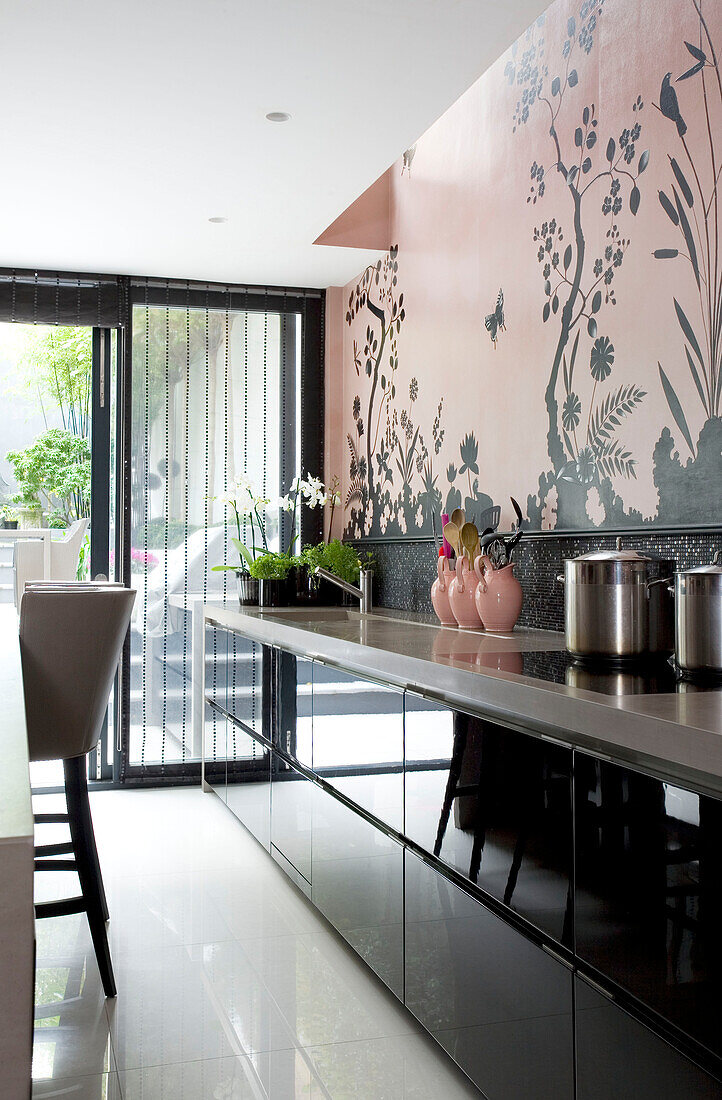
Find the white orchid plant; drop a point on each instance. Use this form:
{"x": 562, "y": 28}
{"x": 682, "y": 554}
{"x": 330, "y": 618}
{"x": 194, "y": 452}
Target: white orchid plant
{"x": 251, "y": 509}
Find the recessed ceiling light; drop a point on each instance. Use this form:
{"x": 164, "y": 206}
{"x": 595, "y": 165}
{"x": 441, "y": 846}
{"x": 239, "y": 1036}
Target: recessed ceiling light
{"x": 277, "y": 116}
{"x": 218, "y": 221}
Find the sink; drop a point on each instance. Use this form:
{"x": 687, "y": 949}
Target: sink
{"x": 316, "y": 614}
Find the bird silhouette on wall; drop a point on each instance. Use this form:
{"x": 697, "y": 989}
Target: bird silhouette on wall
{"x": 494, "y": 322}
{"x": 669, "y": 105}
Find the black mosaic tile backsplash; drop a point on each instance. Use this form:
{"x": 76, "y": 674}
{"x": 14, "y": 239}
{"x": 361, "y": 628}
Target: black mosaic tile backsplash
{"x": 406, "y": 569}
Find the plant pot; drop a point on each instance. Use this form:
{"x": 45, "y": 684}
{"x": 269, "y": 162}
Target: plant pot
{"x": 273, "y": 593}
{"x": 305, "y": 588}
{"x": 29, "y": 517}
{"x": 247, "y": 589}
{"x": 309, "y": 589}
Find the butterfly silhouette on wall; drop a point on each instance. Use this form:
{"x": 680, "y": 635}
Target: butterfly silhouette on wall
{"x": 494, "y": 322}
{"x": 409, "y": 155}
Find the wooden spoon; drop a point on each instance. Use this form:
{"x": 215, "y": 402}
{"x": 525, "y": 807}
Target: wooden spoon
{"x": 458, "y": 516}
{"x": 451, "y": 534}
{"x": 470, "y": 540}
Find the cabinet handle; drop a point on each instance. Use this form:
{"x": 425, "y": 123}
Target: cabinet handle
{"x": 595, "y": 985}
{"x": 557, "y": 958}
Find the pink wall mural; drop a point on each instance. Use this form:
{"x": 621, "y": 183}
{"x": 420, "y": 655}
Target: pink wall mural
{"x": 548, "y": 322}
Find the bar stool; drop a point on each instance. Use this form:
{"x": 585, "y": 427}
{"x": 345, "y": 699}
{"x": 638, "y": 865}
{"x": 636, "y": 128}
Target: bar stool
{"x": 71, "y": 637}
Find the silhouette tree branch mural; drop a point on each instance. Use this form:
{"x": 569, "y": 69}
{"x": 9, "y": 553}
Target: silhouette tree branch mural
{"x": 447, "y": 404}
{"x": 392, "y": 487}
{"x": 577, "y": 286}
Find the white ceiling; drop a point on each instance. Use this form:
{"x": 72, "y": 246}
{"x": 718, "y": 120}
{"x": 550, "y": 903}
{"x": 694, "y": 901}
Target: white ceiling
{"x": 125, "y": 126}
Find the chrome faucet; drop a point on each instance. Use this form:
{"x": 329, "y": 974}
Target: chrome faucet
{"x": 363, "y": 593}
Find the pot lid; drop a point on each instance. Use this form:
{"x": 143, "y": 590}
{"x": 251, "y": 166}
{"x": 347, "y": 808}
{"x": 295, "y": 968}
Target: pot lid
{"x": 712, "y": 568}
{"x": 615, "y": 555}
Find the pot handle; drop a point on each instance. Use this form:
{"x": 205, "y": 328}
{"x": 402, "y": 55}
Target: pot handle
{"x": 459, "y": 573}
{"x": 440, "y": 571}
{"x": 560, "y": 578}
{"x": 660, "y": 580}
{"x": 480, "y": 564}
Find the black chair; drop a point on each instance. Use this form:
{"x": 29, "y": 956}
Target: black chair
{"x": 71, "y": 637}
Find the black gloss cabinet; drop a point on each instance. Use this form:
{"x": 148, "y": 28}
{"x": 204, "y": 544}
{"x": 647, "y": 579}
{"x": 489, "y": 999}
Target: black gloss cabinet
{"x": 619, "y": 1058}
{"x": 358, "y": 741}
{"x": 649, "y": 893}
{"x": 552, "y": 919}
{"x": 500, "y": 1005}
{"x": 496, "y": 805}
{"x": 358, "y": 884}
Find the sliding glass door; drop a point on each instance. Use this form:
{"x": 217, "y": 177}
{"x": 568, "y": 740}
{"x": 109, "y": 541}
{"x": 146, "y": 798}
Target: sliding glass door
{"x": 215, "y": 394}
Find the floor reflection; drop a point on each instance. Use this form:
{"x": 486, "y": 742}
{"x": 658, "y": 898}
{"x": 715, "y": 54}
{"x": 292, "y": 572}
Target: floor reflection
{"x": 71, "y": 1038}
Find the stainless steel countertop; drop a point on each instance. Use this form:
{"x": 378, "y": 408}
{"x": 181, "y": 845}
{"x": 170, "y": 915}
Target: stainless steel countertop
{"x": 678, "y": 736}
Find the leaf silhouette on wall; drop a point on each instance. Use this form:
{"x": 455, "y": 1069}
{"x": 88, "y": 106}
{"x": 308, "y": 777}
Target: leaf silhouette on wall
{"x": 675, "y": 408}
{"x": 693, "y": 211}
{"x": 689, "y": 238}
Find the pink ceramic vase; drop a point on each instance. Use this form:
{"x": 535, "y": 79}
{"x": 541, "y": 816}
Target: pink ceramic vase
{"x": 498, "y": 596}
{"x": 440, "y": 592}
{"x": 461, "y": 596}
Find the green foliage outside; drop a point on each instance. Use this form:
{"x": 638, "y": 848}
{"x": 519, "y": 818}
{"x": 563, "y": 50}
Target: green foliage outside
{"x": 155, "y": 533}
{"x": 57, "y": 366}
{"x": 54, "y": 471}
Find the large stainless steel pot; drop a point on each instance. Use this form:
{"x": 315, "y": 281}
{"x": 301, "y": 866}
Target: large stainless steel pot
{"x": 698, "y": 617}
{"x": 616, "y": 605}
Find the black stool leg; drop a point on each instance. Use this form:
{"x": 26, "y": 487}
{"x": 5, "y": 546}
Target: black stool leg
{"x": 98, "y": 875}
{"x": 86, "y": 856}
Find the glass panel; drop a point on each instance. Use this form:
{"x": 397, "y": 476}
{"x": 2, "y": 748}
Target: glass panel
{"x": 619, "y": 1057}
{"x": 244, "y": 689}
{"x": 649, "y": 892}
{"x": 496, "y": 806}
{"x": 45, "y": 396}
{"x": 358, "y": 741}
{"x": 214, "y": 726}
{"x": 249, "y": 782}
{"x": 358, "y": 886}
{"x": 214, "y": 751}
{"x": 292, "y": 798}
{"x": 496, "y": 1002}
{"x": 205, "y": 409}
{"x": 294, "y": 707}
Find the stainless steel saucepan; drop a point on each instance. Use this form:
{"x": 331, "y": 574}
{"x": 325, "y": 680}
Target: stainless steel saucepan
{"x": 698, "y": 617}
{"x": 617, "y": 605}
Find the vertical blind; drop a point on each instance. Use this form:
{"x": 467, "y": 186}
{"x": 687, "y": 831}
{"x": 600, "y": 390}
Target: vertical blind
{"x": 216, "y": 381}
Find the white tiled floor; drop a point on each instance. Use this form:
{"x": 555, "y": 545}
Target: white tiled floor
{"x": 230, "y": 986}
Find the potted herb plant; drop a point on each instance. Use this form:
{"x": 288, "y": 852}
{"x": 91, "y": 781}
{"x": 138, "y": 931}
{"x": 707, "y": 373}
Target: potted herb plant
{"x": 337, "y": 557}
{"x": 8, "y": 518}
{"x": 271, "y": 570}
